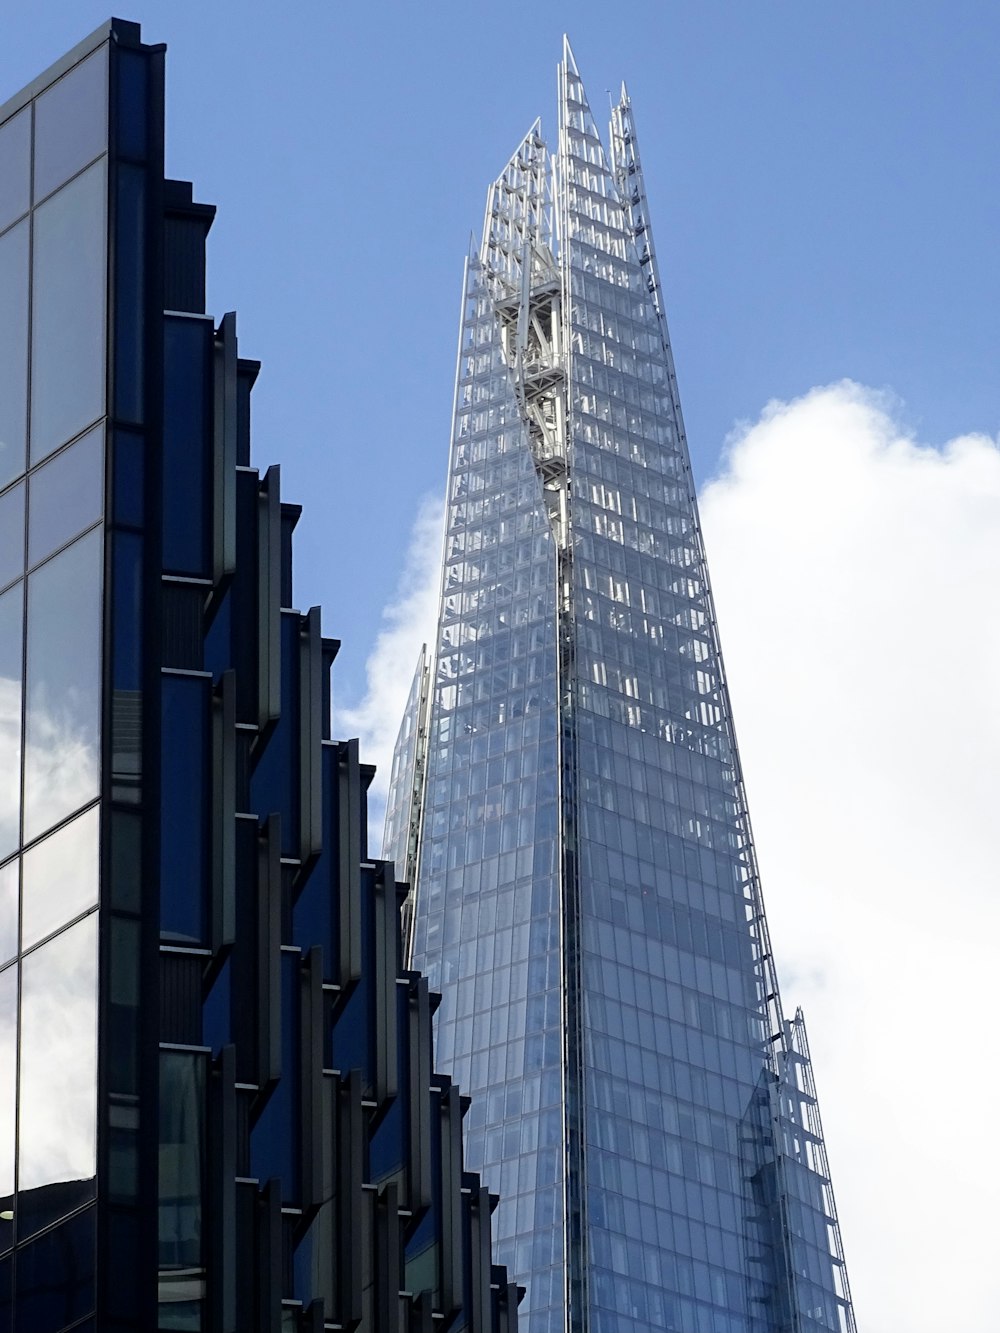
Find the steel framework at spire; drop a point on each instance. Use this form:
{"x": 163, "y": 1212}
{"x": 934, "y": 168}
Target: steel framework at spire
{"x": 568, "y": 803}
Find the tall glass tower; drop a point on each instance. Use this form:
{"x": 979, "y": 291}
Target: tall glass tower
{"x": 567, "y": 803}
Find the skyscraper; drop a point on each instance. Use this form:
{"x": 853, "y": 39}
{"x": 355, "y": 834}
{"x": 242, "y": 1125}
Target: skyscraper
{"x": 218, "y": 1107}
{"x": 568, "y": 804}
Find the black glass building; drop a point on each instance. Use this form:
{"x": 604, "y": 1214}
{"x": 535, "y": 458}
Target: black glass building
{"x": 218, "y": 1108}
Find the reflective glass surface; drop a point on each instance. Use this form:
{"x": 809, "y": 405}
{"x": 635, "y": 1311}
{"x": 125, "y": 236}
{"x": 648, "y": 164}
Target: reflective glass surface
{"x": 55, "y": 1278}
{"x": 8, "y": 1082}
{"x": 15, "y": 167}
{"x": 400, "y": 812}
{"x": 59, "y": 878}
{"x": 488, "y": 929}
{"x": 71, "y": 123}
{"x": 185, "y": 480}
{"x": 674, "y": 1043}
{"x": 11, "y": 625}
{"x": 63, "y": 685}
{"x": 66, "y": 495}
{"x": 183, "y": 1136}
{"x": 53, "y": 282}
{"x": 8, "y": 910}
{"x": 13, "y": 349}
{"x": 58, "y": 1094}
{"x": 186, "y": 720}
{"x": 11, "y": 535}
{"x": 587, "y": 898}
{"x": 68, "y": 304}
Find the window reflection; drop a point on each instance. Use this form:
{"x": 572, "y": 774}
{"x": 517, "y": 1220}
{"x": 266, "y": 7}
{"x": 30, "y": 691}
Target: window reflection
{"x": 11, "y": 534}
{"x": 63, "y": 685}
{"x": 68, "y": 312}
{"x": 15, "y": 167}
{"x": 182, "y": 1145}
{"x": 8, "y": 1071}
{"x": 58, "y": 1095}
{"x": 13, "y": 348}
{"x": 71, "y": 123}
{"x": 10, "y": 718}
{"x": 60, "y": 878}
{"x": 8, "y": 912}
{"x": 55, "y": 1276}
{"x": 66, "y": 495}
{"x": 184, "y": 845}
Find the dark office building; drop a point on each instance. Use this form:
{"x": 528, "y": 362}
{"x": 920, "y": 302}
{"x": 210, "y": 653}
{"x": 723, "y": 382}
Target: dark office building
{"x": 218, "y": 1109}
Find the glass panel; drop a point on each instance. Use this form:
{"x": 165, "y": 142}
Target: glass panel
{"x": 184, "y": 844}
{"x": 11, "y": 534}
{"x": 123, "y": 1027}
{"x": 182, "y": 1145}
{"x": 63, "y": 689}
{"x": 187, "y": 406}
{"x": 60, "y": 878}
{"x": 55, "y": 1277}
{"x": 8, "y": 911}
{"x": 6, "y": 1294}
{"x": 58, "y": 1094}
{"x": 126, "y": 678}
{"x": 71, "y": 123}
{"x": 68, "y": 302}
{"x": 8, "y": 1081}
{"x": 652, "y": 967}
{"x": 11, "y": 626}
{"x": 66, "y": 495}
{"x": 15, "y": 167}
{"x": 13, "y": 349}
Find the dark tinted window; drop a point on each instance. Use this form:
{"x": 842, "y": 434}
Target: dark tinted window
{"x": 186, "y": 444}
{"x": 55, "y": 1277}
{"x": 184, "y": 842}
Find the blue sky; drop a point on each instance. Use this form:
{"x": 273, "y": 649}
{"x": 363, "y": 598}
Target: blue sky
{"x": 822, "y": 180}
{"x": 824, "y": 193}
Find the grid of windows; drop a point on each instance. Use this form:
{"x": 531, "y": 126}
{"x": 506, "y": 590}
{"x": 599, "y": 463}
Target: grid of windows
{"x": 621, "y": 953}
{"x": 53, "y": 340}
{"x": 489, "y": 924}
{"x": 672, "y": 1027}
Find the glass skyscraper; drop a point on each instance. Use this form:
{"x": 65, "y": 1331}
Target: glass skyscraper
{"x": 568, "y": 805}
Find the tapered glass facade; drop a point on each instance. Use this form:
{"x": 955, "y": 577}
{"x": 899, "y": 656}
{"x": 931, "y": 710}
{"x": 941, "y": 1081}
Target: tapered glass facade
{"x": 567, "y": 802}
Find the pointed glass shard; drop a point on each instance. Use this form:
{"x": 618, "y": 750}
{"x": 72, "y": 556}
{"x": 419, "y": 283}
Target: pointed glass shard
{"x": 587, "y": 892}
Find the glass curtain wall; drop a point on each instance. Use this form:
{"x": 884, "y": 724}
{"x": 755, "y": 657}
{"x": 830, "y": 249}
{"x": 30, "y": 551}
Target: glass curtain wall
{"x": 594, "y": 921}
{"x": 53, "y": 347}
{"x": 489, "y": 923}
{"x": 673, "y": 1035}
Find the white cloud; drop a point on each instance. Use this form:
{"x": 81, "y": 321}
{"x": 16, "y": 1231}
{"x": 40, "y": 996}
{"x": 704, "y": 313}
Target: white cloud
{"x": 408, "y": 622}
{"x": 856, "y": 575}
{"x": 855, "y": 572}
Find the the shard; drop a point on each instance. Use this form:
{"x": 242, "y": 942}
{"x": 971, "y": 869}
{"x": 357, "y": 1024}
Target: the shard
{"x": 568, "y": 805}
